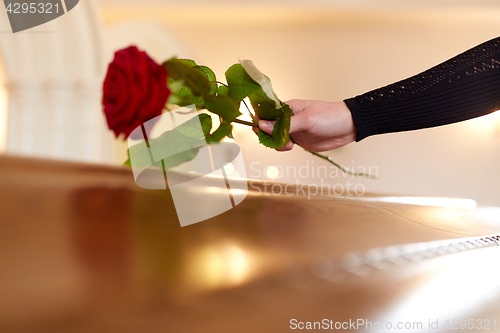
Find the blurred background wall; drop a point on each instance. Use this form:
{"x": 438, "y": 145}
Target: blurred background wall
{"x": 52, "y": 78}
{"x": 318, "y": 49}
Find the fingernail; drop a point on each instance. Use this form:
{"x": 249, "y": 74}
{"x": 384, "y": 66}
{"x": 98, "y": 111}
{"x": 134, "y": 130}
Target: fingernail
{"x": 265, "y": 124}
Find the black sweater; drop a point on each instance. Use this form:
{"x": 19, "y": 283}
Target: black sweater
{"x": 461, "y": 88}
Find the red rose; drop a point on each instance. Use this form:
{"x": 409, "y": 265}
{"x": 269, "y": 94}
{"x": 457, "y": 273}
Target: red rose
{"x": 134, "y": 91}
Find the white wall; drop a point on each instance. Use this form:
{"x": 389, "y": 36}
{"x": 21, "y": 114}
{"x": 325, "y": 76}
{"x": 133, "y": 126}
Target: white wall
{"x": 332, "y": 54}
{"x": 53, "y": 75}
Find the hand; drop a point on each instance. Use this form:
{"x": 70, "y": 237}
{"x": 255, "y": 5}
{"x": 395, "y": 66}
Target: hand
{"x": 317, "y": 126}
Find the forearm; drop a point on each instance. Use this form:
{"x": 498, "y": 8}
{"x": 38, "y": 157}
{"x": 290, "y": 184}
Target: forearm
{"x": 461, "y": 88}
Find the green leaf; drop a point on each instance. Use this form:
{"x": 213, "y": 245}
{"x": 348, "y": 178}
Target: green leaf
{"x": 194, "y": 79}
{"x": 262, "y": 80}
{"x": 127, "y": 162}
{"x": 188, "y": 147}
{"x": 184, "y": 138}
{"x": 212, "y": 78}
{"x": 175, "y": 85}
{"x": 240, "y": 83}
{"x": 264, "y": 107}
{"x": 281, "y": 131}
{"x": 210, "y": 73}
{"x": 224, "y": 106}
{"x": 224, "y": 130}
{"x": 190, "y": 128}
{"x": 189, "y": 62}
{"x": 183, "y": 93}
{"x": 205, "y": 70}
{"x": 206, "y": 123}
{"x": 223, "y": 90}
{"x": 186, "y": 97}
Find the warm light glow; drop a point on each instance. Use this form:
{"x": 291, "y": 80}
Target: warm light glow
{"x": 244, "y": 110}
{"x": 228, "y": 168}
{"x": 488, "y": 215}
{"x": 483, "y": 215}
{"x": 237, "y": 192}
{"x": 489, "y": 124}
{"x": 242, "y": 132}
{"x": 237, "y": 264}
{"x": 423, "y": 201}
{"x": 219, "y": 266}
{"x": 215, "y": 175}
{"x": 233, "y": 175}
{"x": 215, "y": 190}
{"x": 272, "y": 172}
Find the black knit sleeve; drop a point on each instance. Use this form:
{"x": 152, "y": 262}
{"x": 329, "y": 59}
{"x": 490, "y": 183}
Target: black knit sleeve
{"x": 461, "y": 88}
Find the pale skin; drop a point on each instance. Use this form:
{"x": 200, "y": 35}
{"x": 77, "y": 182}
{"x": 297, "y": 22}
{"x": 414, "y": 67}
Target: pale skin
{"x": 317, "y": 126}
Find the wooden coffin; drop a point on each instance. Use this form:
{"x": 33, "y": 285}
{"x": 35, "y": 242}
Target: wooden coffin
{"x": 83, "y": 249}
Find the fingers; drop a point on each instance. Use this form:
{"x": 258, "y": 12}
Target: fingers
{"x": 256, "y": 129}
{"x": 297, "y": 105}
{"x": 288, "y": 147}
{"x": 267, "y": 127}
{"x": 298, "y": 123}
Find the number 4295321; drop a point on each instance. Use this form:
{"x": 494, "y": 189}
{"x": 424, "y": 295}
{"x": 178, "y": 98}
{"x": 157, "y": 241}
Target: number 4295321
{"x": 32, "y": 8}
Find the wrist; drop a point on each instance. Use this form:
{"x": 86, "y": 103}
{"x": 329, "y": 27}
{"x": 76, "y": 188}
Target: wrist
{"x": 347, "y": 120}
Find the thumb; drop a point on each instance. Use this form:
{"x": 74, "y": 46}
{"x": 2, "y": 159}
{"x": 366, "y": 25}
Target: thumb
{"x": 298, "y": 123}
{"x": 267, "y": 126}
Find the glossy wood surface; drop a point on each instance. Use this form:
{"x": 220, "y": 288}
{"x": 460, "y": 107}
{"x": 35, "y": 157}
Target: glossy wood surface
{"x": 83, "y": 249}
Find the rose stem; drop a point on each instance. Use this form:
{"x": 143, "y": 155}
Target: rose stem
{"x": 338, "y": 165}
{"x": 250, "y": 112}
{"x": 325, "y": 157}
{"x": 343, "y": 168}
{"x": 247, "y": 123}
